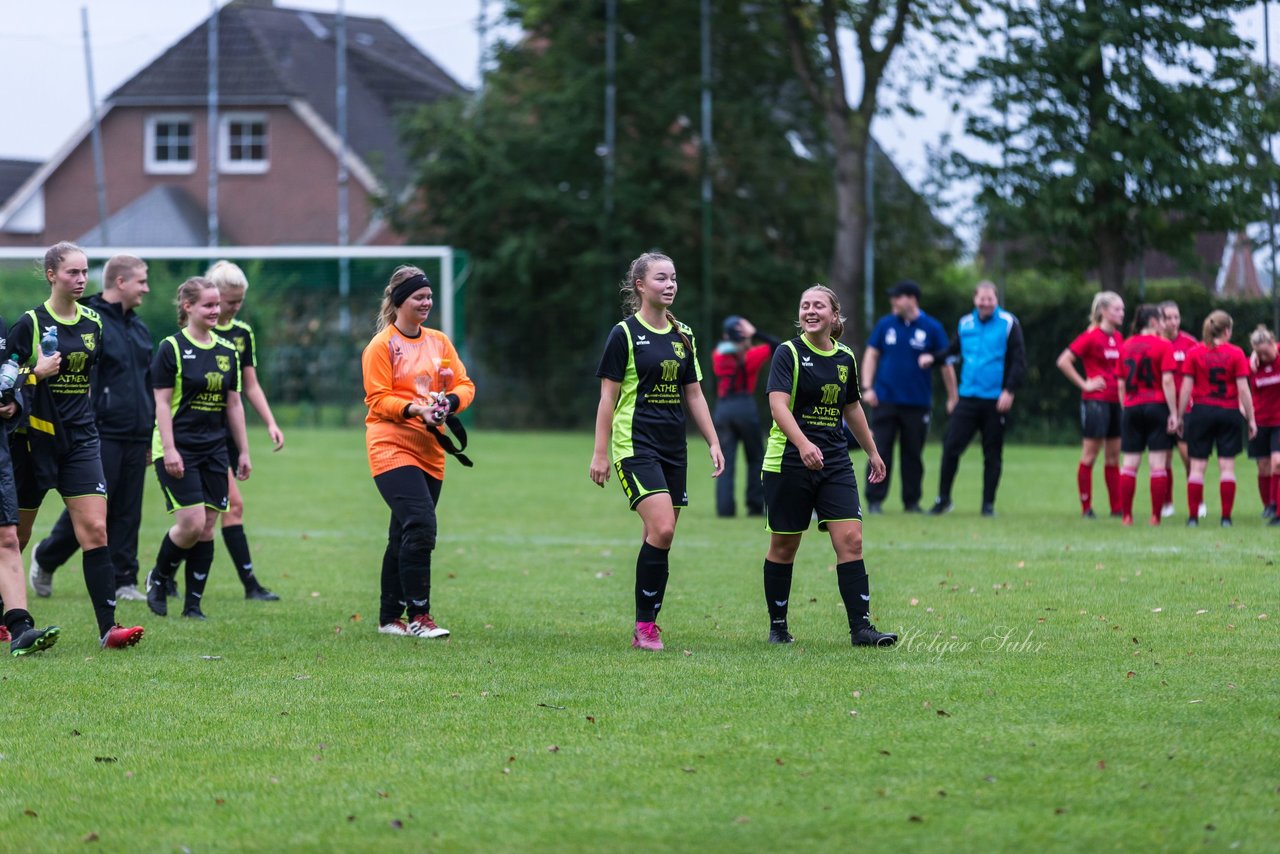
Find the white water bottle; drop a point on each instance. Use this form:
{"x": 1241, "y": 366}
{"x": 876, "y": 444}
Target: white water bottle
{"x": 49, "y": 342}
{"x": 9, "y": 374}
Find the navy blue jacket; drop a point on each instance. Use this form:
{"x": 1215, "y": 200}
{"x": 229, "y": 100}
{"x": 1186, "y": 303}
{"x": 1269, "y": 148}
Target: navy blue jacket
{"x": 123, "y": 403}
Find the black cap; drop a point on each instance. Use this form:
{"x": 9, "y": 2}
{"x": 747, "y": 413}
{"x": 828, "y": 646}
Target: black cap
{"x": 905, "y": 288}
{"x": 731, "y": 330}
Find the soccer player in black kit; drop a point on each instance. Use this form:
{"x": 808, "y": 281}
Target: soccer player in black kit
{"x": 60, "y": 448}
{"x": 648, "y": 373}
{"x": 196, "y": 378}
{"x": 232, "y": 284}
{"x": 813, "y": 390}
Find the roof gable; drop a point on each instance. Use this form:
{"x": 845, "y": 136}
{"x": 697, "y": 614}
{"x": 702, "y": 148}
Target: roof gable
{"x": 270, "y": 55}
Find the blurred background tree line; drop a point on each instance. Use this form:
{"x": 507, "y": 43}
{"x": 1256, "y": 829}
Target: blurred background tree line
{"x": 1109, "y": 129}
{"x": 1113, "y": 128}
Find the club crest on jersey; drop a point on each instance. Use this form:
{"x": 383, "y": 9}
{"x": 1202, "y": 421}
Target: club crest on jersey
{"x": 842, "y": 371}
{"x": 240, "y": 346}
{"x": 678, "y": 348}
{"x": 90, "y": 341}
{"x": 224, "y": 362}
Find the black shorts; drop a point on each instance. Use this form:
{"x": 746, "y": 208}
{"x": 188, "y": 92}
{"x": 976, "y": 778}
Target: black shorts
{"x": 1099, "y": 419}
{"x": 1265, "y": 443}
{"x": 203, "y": 482}
{"x": 793, "y": 496}
{"x": 1207, "y": 426}
{"x": 8, "y": 491}
{"x": 79, "y": 474}
{"x": 644, "y": 476}
{"x": 1145, "y": 427}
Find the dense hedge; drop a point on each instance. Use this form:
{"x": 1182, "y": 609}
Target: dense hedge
{"x": 312, "y": 371}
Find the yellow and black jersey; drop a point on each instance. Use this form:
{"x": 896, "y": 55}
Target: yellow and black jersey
{"x": 240, "y": 334}
{"x": 80, "y": 343}
{"x": 201, "y": 375}
{"x": 653, "y": 366}
{"x": 821, "y": 384}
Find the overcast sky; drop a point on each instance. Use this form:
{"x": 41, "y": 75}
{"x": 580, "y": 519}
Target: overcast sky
{"x": 43, "y": 95}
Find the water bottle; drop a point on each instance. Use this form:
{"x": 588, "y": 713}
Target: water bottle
{"x": 9, "y": 374}
{"x": 49, "y": 343}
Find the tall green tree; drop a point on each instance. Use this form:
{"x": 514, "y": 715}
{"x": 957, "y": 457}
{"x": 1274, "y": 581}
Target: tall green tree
{"x": 515, "y": 177}
{"x": 1117, "y": 126}
{"x": 881, "y": 32}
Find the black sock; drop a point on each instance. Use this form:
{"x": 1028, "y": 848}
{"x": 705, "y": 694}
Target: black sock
{"x": 199, "y": 561}
{"x": 18, "y": 621}
{"x": 651, "y": 581}
{"x": 238, "y": 547}
{"x": 100, "y": 579}
{"x": 855, "y": 590}
{"x": 169, "y": 558}
{"x": 777, "y": 591}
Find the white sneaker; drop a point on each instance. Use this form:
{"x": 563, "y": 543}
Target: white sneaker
{"x": 422, "y": 626}
{"x": 1203, "y": 511}
{"x": 41, "y": 579}
{"x": 1167, "y": 510}
{"x": 396, "y": 627}
{"x": 131, "y": 592}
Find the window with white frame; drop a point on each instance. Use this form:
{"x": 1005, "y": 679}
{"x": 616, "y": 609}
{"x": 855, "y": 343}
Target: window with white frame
{"x": 170, "y": 144}
{"x": 243, "y": 143}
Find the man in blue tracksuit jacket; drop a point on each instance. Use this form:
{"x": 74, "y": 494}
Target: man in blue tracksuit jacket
{"x": 125, "y": 409}
{"x": 897, "y": 386}
{"x": 993, "y": 358}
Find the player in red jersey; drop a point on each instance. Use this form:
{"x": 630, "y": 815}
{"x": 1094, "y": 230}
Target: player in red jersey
{"x": 1098, "y": 349}
{"x": 1264, "y": 383}
{"x": 1182, "y": 342}
{"x": 1145, "y": 373}
{"x": 1216, "y": 385}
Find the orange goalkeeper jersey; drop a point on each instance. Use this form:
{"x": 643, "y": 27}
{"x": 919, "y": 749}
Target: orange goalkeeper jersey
{"x": 399, "y": 371}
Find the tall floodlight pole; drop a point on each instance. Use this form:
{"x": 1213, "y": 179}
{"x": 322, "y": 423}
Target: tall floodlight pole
{"x": 99, "y": 166}
{"x": 869, "y": 244}
{"x": 1271, "y": 169}
{"x": 344, "y": 216}
{"x": 211, "y": 120}
{"x": 608, "y": 149}
{"x": 705, "y": 151}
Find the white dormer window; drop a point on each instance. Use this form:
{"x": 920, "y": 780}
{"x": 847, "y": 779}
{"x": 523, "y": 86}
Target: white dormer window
{"x": 170, "y": 145}
{"x": 242, "y": 145}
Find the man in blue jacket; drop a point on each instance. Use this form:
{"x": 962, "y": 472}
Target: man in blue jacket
{"x": 125, "y": 409}
{"x": 989, "y": 345}
{"x": 897, "y": 385}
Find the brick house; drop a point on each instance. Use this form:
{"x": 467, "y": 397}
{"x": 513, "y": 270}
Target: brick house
{"x": 277, "y": 142}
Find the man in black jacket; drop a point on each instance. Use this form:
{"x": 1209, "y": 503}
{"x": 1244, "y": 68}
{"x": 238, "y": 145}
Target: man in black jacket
{"x": 125, "y": 409}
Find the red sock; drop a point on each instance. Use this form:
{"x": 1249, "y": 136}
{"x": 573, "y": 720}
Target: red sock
{"x": 1128, "y": 486}
{"x": 1159, "y": 488}
{"x": 1275, "y": 489}
{"x": 1084, "y": 483}
{"x": 1264, "y": 488}
{"x": 1112, "y": 476}
{"x": 1195, "y": 497}
{"x": 1167, "y": 498}
{"x": 1227, "y": 489}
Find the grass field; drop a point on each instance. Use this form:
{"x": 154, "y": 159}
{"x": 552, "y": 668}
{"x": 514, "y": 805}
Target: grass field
{"x": 1061, "y": 684}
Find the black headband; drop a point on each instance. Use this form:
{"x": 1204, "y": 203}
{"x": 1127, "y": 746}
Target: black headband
{"x": 406, "y": 288}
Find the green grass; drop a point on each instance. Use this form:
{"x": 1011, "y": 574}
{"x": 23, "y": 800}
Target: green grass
{"x": 1132, "y": 706}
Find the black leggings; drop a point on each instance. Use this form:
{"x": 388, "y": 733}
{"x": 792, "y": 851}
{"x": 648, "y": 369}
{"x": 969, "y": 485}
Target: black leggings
{"x": 412, "y": 495}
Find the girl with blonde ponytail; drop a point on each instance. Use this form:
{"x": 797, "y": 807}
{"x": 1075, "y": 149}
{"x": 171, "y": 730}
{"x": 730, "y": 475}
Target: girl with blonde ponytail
{"x": 1098, "y": 351}
{"x": 648, "y": 374}
{"x": 813, "y": 392}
